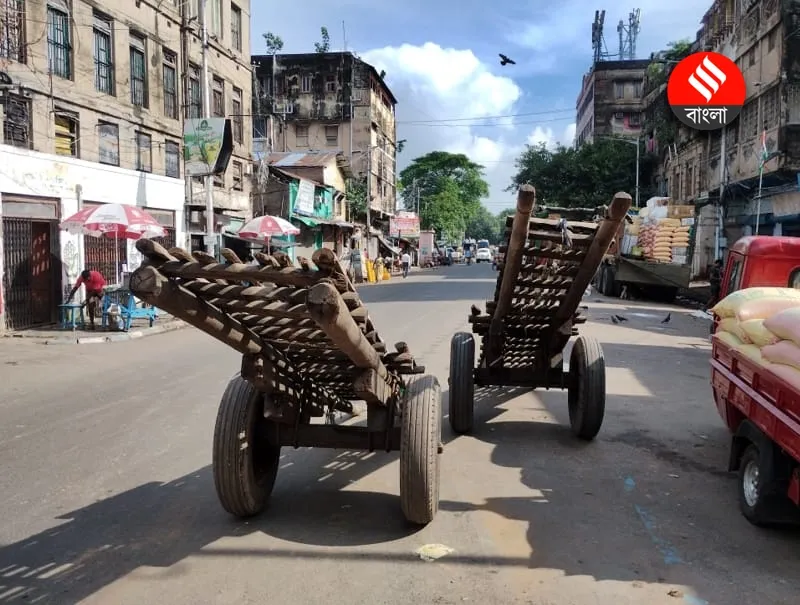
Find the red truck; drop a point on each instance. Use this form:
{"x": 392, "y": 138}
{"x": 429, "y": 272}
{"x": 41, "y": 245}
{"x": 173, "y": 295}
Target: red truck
{"x": 761, "y": 410}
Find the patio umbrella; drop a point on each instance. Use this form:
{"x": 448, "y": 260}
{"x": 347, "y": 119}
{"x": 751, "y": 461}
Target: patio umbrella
{"x": 263, "y": 228}
{"x": 113, "y": 220}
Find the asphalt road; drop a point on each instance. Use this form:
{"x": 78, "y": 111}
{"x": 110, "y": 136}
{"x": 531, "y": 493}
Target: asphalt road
{"x": 106, "y": 494}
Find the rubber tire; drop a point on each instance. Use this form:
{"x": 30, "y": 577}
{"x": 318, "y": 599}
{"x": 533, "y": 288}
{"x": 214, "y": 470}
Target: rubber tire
{"x": 242, "y": 489}
{"x": 461, "y": 400}
{"x": 421, "y": 431}
{"x": 586, "y": 392}
{"x": 766, "y": 508}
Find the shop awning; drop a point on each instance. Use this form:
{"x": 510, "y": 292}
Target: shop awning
{"x": 306, "y": 220}
{"x": 385, "y": 243}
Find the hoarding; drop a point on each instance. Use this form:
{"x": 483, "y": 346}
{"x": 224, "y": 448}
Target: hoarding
{"x": 207, "y": 146}
{"x": 404, "y": 224}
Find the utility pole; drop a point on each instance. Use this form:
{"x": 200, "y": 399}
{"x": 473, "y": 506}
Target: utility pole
{"x": 369, "y": 195}
{"x": 637, "y": 171}
{"x": 718, "y": 228}
{"x": 209, "y": 180}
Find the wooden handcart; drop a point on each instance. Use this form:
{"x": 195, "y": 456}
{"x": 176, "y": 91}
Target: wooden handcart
{"x": 309, "y": 351}
{"x": 547, "y": 267}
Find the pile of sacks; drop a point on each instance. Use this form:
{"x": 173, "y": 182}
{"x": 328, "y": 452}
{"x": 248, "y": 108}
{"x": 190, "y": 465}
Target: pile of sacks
{"x": 764, "y": 325}
{"x": 658, "y": 238}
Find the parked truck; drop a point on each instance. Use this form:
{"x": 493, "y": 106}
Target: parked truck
{"x": 759, "y": 407}
{"x": 627, "y": 266}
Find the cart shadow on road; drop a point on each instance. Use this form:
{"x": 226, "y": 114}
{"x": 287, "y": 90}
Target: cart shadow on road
{"x": 652, "y": 488}
{"x": 160, "y": 524}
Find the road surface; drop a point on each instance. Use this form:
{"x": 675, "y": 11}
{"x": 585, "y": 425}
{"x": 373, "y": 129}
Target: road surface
{"x": 106, "y": 495}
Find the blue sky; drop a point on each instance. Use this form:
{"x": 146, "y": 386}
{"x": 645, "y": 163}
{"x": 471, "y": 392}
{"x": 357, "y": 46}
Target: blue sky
{"x": 441, "y": 62}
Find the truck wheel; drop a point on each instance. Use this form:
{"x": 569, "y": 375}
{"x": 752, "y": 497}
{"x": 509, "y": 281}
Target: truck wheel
{"x": 244, "y": 464}
{"x": 421, "y": 426}
{"x": 586, "y": 391}
{"x": 461, "y": 410}
{"x": 757, "y": 500}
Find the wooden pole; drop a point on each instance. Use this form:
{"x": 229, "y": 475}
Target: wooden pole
{"x": 526, "y": 201}
{"x": 154, "y": 288}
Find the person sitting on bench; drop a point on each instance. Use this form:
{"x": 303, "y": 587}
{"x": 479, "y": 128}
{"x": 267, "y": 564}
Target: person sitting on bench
{"x": 94, "y": 283}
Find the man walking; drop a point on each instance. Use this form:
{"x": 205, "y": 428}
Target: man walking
{"x": 94, "y": 283}
{"x": 715, "y": 281}
{"x": 405, "y": 260}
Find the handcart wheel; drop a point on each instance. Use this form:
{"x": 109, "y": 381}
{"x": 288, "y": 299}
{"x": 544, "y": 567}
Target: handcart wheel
{"x": 586, "y": 390}
{"x": 461, "y": 411}
{"x": 245, "y": 464}
{"x": 421, "y": 428}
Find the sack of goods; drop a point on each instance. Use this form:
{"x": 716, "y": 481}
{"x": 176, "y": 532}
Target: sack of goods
{"x": 657, "y": 239}
{"x": 763, "y": 324}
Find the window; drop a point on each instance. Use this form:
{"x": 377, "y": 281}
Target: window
{"x": 218, "y": 98}
{"x": 17, "y": 128}
{"x": 194, "y": 108}
{"x": 214, "y": 8}
{"x": 301, "y": 135}
{"x": 139, "y": 96}
{"x": 172, "y": 159}
{"x": 619, "y": 90}
{"x": 108, "y": 144}
{"x": 770, "y": 103}
{"x": 170, "y": 84}
{"x": 330, "y": 83}
{"x": 67, "y": 133}
{"x": 238, "y": 176}
{"x": 772, "y": 40}
{"x": 144, "y": 152}
{"x": 305, "y": 83}
{"x": 236, "y": 27}
{"x": 236, "y": 116}
{"x": 637, "y": 89}
{"x": 103, "y": 58}
{"x": 59, "y": 39}
{"x": 12, "y": 30}
{"x": 794, "y": 279}
{"x": 332, "y": 136}
{"x": 736, "y": 277}
{"x": 749, "y": 120}
{"x": 751, "y": 57}
{"x": 635, "y": 120}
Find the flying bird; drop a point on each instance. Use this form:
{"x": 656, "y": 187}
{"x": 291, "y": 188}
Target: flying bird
{"x": 614, "y": 319}
{"x": 506, "y": 61}
{"x": 621, "y": 318}
{"x": 667, "y": 318}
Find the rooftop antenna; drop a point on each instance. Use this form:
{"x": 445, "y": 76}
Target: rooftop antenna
{"x": 628, "y": 35}
{"x": 599, "y": 51}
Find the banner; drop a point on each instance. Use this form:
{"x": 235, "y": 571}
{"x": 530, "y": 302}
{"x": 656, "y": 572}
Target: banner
{"x": 207, "y": 146}
{"x": 404, "y": 224}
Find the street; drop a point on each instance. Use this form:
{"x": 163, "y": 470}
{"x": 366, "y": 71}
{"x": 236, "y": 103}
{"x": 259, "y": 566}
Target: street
{"x": 106, "y": 494}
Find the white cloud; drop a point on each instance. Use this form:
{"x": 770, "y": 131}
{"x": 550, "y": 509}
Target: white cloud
{"x": 446, "y": 101}
{"x": 550, "y": 139}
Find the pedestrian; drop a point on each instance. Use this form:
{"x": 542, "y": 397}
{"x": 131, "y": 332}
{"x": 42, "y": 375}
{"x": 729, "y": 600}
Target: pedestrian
{"x": 93, "y": 282}
{"x": 405, "y": 261}
{"x": 378, "y": 266}
{"x": 715, "y": 281}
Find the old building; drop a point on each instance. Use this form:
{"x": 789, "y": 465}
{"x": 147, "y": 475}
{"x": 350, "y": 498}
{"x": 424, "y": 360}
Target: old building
{"x": 610, "y": 101}
{"x": 93, "y": 104}
{"x": 330, "y": 102}
{"x": 309, "y": 189}
{"x": 721, "y": 171}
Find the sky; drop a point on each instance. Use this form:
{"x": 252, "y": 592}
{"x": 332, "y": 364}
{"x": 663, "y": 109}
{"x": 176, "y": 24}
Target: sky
{"x": 441, "y": 62}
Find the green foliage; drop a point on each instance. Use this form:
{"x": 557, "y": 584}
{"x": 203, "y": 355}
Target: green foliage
{"x": 357, "y": 196}
{"x": 661, "y": 121}
{"x": 484, "y": 225}
{"x": 325, "y": 43}
{"x": 450, "y": 188}
{"x": 274, "y": 43}
{"x": 585, "y": 177}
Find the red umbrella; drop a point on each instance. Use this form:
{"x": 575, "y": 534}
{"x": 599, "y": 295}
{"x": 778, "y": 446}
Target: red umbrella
{"x": 113, "y": 220}
{"x": 264, "y": 227}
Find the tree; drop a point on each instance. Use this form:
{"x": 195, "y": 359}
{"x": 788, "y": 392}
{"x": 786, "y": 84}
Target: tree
{"x": 325, "y": 44}
{"x": 484, "y": 225}
{"x": 585, "y": 177}
{"x": 357, "y": 196}
{"x": 274, "y": 43}
{"x": 437, "y": 175}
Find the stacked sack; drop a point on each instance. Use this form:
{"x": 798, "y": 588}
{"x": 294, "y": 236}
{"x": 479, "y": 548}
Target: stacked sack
{"x": 681, "y": 237}
{"x": 764, "y": 325}
{"x": 657, "y": 239}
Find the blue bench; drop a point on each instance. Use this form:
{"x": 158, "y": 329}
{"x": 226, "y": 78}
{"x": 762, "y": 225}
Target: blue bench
{"x": 128, "y": 307}
{"x": 70, "y": 316}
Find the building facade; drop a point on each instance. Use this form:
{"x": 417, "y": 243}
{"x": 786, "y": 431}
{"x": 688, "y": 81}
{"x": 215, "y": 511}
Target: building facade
{"x": 721, "y": 172}
{"x": 93, "y": 103}
{"x": 610, "y": 102}
{"x": 330, "y": 102}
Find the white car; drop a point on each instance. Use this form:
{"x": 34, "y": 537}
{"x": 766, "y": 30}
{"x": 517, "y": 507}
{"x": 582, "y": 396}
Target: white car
{"x": 483, "y": 255}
